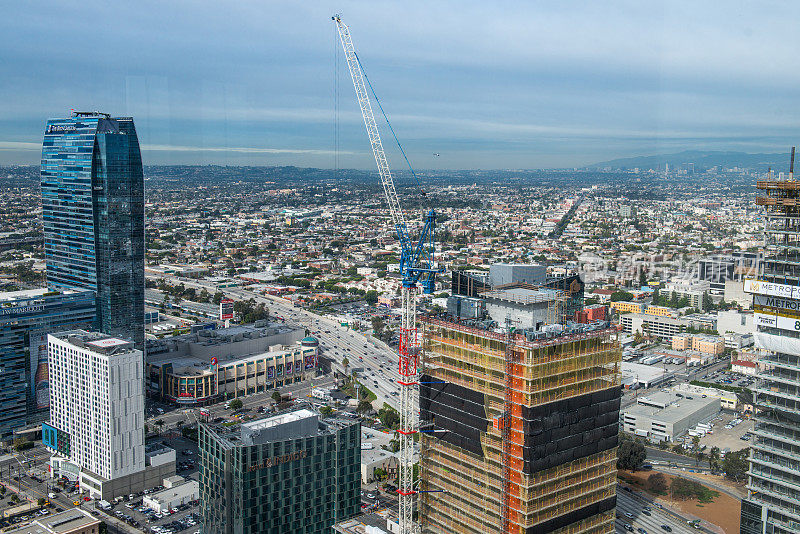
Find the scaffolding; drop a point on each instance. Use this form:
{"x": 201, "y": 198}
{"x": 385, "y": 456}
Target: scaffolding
{"x": 474, "y": 493}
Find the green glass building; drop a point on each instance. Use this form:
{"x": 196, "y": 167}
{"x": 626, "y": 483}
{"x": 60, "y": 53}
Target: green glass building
{"x": 291, "y": 473}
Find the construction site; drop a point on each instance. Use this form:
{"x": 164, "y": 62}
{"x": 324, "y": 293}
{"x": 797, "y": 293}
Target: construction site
{"x": 518, "y": 403}
{"x": 519, "y": 427}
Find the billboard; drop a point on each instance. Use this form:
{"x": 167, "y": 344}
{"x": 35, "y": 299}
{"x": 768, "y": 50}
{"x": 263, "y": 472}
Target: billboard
{"x": 288, "y": 368}
{"x": 310, "y": 361}
{"x": 777, "y": 321}
{"x": 40, "y": 373}
{"x": 270, "y": 372}
{"x": 55, "y": 439}
{"x": 225, "y": 309}
{"x": 760, "y": 287}
{"x": 280, "y": 369}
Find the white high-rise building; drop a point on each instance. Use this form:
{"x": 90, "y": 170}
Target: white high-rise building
{"x": 96, "y": 407}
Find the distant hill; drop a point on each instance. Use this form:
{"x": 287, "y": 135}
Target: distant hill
{"x": 701, "y": 159}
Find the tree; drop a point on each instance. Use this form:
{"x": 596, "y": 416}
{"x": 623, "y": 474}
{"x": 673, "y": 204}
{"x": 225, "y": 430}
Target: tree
{"x": 631, "y": 455}
{"x": 276, "y": 396}
{"x": 346, "y": 364}
{"x": 695, "y": 442}
{"x": 736, "y": 464}
{"x": 379, "y": 473}
{"x": 235, "y": 404}
{"x": 657, "y": 483}
{"x": 713, "y": 457}
{"x": 326, "y": 411}
{"x": 621, "y": 296}
{"x": 377, "y": 325}
{"x": 371, "y": 296}
{"x": 389, "y": 416}
{"x": 160, "y": 425}
{"x": 364, "y": 407}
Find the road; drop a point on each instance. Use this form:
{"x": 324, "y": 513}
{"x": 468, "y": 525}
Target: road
{"x": 336, "y": 342}
{"x": 629, "y": 503}
{"x": 658, "y": 457}
{"x": 172, "y": 416}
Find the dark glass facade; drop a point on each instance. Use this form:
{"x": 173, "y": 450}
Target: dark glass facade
{"x": 93, "y": 214}
{"x": 26, "y": 317}
{"x": 301, "y": 485}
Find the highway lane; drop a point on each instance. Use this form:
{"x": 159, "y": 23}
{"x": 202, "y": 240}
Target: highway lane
{"x": 631, "y": 504}
{"x": 337, "y": 342}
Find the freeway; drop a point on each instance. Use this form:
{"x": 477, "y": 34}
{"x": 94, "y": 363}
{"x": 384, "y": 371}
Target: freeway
{"x": 379, "y": 363}
{"x": 631, "y": 511}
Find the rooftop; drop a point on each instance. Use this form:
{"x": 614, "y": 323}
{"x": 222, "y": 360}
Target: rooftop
{"x": 669, "y": 407}
{"x": 63, "y": 522}
{"x": 95, "y": 341}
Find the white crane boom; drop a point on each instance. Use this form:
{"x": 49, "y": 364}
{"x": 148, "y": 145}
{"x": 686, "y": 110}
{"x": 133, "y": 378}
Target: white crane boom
{"x": 411, "y": 268}
{"x": 369, "y": 123}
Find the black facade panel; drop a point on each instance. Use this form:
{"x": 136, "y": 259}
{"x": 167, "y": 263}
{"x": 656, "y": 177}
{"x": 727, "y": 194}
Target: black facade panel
{"x": 454, "y": 408}
{"x": 573, "y": 517}
{"x": 563, "y": 431}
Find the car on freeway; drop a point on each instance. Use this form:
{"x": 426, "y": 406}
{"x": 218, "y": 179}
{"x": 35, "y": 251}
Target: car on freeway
{"x": 666, "y": 528}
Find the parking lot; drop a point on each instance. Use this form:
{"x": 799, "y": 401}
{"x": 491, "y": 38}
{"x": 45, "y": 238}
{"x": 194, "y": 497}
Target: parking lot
{"x": 727, "y": 378}
{"x": 728, "y": 438}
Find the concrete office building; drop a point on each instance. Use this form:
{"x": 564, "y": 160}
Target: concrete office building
{"x": 552, "y": 467}
{"x": 692, "y": 290}
{"x": 26, "y": 317}
{"x": 291, "y": 472}
{"x": 772, "y": 504}
{"x": 96, "y": 427}
{"x": 93, "y": 215}
{"x": 664, "y": 328}
{"x": 664, "y": 416}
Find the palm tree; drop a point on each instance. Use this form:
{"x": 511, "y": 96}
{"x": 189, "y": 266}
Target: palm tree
{"x": 160, "y": 425}
{"x": 346, "y": 364}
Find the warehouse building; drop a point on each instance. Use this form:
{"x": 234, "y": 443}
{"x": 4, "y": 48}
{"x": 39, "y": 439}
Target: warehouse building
{"x": 664, "y": 416}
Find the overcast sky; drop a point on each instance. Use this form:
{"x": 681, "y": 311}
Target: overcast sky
{"x": 483, "y": 84}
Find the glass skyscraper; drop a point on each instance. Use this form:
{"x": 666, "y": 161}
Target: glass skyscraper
{"x": 93, "y": 213}
{"x": 292, "y": 472}
{"x": 26, "y": 317}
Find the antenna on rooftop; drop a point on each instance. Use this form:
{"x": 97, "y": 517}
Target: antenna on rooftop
{"x": 791, "y": 166}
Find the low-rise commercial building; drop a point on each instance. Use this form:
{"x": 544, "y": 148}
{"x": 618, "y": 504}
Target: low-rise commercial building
{"x": 702, "y": 343}
{"x": 174, "y": 494}
{"x": 72, "y": 521}
{"x": 666, "y": 416}
{"x": 203, "y": 367}
{"x": 372, "y": 459}
{"x": 744, "y": 368}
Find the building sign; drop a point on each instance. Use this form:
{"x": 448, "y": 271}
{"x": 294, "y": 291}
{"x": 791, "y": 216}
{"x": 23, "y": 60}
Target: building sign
{"x": 760, "y": 287}
{"x": 55, "y": 439}
{"x": 61, "y": 128}
{"x": 310, "y": 360}
{"x": 18, "y": 310}
{"x": 775, "y": 304}
{"x": 269, "y": 462}
{"x": 777, "y": 321}
{"x": 225, "y": 309}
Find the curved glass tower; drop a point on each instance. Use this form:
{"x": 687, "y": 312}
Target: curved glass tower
{"x": 93, "y": 213}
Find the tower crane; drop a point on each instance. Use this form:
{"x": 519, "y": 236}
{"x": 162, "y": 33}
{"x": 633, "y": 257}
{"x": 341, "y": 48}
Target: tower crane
{"x": 418, "y": 272}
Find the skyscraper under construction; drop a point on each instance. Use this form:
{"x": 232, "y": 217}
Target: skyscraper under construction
{"x": 519, "y": 430}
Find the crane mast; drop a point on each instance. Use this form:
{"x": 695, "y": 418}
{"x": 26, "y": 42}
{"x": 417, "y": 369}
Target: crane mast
{"x": 418, "y": 271}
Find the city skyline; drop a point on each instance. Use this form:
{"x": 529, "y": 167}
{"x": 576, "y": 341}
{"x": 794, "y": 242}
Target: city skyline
{"x": 523, "y": 87}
